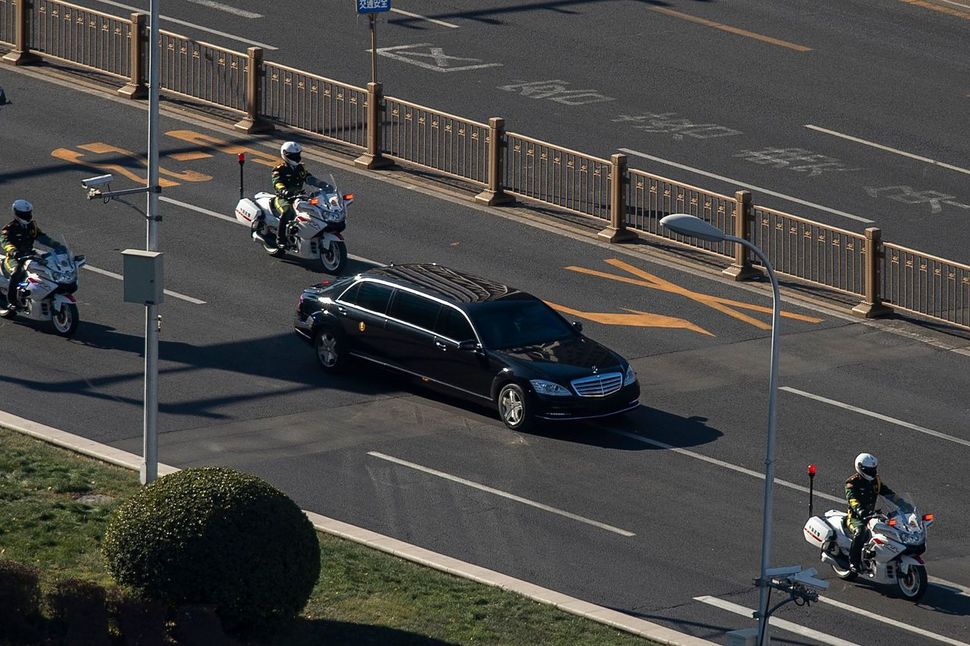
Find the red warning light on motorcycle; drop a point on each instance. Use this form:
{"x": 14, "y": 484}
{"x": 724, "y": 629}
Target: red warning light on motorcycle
{"x": 811, "y": 469}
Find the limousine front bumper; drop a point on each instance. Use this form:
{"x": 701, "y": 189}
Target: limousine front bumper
{"x": 576, "y": 408}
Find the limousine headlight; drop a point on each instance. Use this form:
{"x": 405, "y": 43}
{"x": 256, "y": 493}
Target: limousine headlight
{"x": 544, "y": 387}
{"x": 630, "y": 376}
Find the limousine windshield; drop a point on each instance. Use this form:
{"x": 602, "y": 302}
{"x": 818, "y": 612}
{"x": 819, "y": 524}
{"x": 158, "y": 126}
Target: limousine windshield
{"x": 516, "y": 323}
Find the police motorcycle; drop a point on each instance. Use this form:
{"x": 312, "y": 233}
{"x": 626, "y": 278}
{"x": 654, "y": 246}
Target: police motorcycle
{"x": 891, "y": 556}
{"x": 46, "y": 292}
{"x": 315, "y": 233}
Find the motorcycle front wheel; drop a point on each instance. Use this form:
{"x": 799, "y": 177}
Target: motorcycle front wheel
{"x": 333, "y": 255}
{"x": 912, "y": 585}
{"x": 65, "y": 320}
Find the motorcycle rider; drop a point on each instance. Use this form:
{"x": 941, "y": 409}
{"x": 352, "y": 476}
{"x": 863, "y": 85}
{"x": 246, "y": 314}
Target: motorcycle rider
{"x": 17, "y": 239}
{"x": 288, "y": 180}
{"x": 862, "y": 489}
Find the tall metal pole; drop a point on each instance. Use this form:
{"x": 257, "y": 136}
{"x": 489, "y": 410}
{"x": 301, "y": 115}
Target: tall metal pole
{"x": 149, "y": 470}
{"x": 770, "y": 450}
{"x": 373, "y": 48}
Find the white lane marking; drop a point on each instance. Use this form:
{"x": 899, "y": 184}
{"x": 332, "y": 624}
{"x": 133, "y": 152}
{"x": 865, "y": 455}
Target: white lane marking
{"x": 419, "y": 16}
{"x": 213, "y": 214}
{"x": 111, "y": 274}
{"x": 892, "y": 622}
{"x": 956, "y": 4}
{"x": 961, "y": 590}
{"x": 895, "y": 151}
{"x": 190, "y": 24}
{"x": 751, "y": 186}
{"x": 228, "y": 9}
{"x": 498, "y": 492}
{"x": 869, "y": 413}
{"x": 720, "y": 463}
{"x": 437, "y": 54}
{"x": 775, "y": 622}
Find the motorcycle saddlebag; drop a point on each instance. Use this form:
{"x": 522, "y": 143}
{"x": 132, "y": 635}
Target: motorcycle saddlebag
{"x": 817, "y": 531}
{"x": 247, "y": 210}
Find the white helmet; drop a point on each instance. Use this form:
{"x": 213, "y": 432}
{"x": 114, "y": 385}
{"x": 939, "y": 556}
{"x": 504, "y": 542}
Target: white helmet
{"x": 290, "y": 152}
{"x": 23, "y": 211}
{"x": 865, "y": 465}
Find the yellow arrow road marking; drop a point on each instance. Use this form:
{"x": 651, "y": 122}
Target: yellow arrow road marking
{"x": 206, "y": 142}
{"x": 635, "y": 319}
{"x": 724, "y": 305}
{"x": 185, "y": 175}
{"x": 74, "y": 157}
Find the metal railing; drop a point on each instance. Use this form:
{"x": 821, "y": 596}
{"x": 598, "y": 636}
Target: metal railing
{"x": 505, "y": 163}
{"x": 810, "y": 251}
{"x": 314, "y": 104}
{"x": 7, "y": 21}
{"x": 433, "y": 139}
{"x": 565, "y": 178}
{"x": 926, "y": 285}
{"x": 651, "y": 197}
{"x": 202, "y": 72}
{"x": 84, "y": 37}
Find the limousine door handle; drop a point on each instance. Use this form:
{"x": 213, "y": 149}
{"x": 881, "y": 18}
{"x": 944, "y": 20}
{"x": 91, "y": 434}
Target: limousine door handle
{"x": 441, "y": 346}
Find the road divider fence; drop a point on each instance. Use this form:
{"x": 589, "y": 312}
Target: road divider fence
{"x": 506, "y": 165}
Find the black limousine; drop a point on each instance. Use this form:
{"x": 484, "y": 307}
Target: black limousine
{"x": 471, "y": 336}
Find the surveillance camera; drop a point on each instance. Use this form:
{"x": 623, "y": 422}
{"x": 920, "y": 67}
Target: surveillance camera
{"x": 96, "y": 182}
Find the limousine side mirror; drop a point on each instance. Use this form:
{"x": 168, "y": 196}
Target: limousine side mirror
{"x": 469, "y": 345}
{"x": 577, "y": 326}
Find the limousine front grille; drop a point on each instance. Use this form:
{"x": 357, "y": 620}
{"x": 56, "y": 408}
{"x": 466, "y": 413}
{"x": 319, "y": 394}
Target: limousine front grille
{"x": 598, "y": 385}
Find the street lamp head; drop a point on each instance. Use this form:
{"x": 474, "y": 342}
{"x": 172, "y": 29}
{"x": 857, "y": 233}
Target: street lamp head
{"x": 692, "y": 226}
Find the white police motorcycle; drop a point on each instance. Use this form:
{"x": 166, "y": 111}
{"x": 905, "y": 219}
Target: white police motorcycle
{"x": 315, "y": 233}
{"x": 47, "y": 291}
{"x": 891, "y": 556}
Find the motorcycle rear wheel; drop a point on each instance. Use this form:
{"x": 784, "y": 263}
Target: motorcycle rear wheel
{"x": 912, "y": 586}
{"x": 6, "y": 311}
{"x": 65, "y": 320}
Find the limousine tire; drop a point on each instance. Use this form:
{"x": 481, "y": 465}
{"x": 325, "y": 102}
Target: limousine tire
{"x": 514, "y": 407}
{"x": 329, "y": 346}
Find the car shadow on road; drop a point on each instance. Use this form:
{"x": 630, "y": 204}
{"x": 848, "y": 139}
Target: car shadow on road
{"x": 641, "y": 429}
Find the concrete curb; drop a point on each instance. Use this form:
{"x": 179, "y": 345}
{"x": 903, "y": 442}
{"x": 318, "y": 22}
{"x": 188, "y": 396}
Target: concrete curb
{"x": 403, "y": 550}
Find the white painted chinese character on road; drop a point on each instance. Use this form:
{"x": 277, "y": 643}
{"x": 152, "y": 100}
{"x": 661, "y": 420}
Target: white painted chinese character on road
{"x": 796, "y": 159}
{"x": 907, "y": 195}
{"x": 677, "y": 127}
{"x": 555, "y": 90}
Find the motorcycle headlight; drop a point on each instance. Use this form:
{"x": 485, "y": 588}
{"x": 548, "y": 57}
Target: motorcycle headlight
{"x": 543, "y": 387}
{"x": 630, "y": 376}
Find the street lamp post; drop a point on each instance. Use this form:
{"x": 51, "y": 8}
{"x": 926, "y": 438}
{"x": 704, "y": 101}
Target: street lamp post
{"x": 689, "y": 225}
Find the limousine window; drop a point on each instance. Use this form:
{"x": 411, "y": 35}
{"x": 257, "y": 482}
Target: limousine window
{"x": 414, "y": 309}
{"x": 454, "y": 325}
{"x": 368, "y": 295}
{"x": 518, "y": 323}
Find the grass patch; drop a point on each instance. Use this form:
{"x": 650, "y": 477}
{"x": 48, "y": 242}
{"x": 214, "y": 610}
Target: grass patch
{"x": 54, "y": 505}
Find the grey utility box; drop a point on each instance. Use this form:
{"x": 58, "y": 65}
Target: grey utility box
{"x": 143, "y": 277}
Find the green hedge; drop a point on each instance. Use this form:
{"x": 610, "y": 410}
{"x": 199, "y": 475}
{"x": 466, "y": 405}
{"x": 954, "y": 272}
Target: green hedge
{"x": 217, "y": 537}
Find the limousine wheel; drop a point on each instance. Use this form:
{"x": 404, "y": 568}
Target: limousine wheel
{"x": 514, "y": 407}
{"x": 330, "y": 350}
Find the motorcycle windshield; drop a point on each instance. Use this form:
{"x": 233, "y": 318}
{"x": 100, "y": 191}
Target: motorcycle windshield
{"x": 59, "y": 258}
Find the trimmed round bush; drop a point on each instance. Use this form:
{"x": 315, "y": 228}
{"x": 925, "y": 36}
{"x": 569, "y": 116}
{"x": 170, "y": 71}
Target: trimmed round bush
{"x": 217, "y": 537}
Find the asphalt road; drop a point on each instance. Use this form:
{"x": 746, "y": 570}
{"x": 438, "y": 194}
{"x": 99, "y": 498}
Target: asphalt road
{"x": 850, "y": 113}
{"x": 657, "y": 514}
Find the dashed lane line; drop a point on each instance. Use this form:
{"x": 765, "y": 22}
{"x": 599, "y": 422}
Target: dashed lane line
{"x": 168, "y": 292}
{"x": 775, "y": 622}
{"x": 190, "y": 24}
{"x": 892, "y": 622}
{"x": 420, "y": 17}
{"x": 879, "y": 416}
{"x": 895, "y": 151}
{"x": 789, "y": 198}
{"x": 503, "y": 494}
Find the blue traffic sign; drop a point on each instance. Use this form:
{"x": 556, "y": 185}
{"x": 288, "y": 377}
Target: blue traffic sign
{"x": 373, "y": 6}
